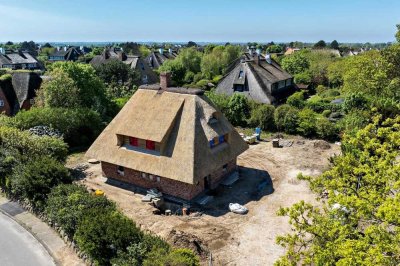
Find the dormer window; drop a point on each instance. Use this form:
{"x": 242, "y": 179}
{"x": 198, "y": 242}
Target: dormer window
{"x": 218, "y": 141}
{"x": 213, "y": 119}
{"x": 139, "y": 145}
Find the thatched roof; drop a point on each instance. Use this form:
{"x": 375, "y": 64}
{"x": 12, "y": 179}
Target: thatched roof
{"x": 17, "y": 58}
{"x": 157, "y": 58}
{"x": 256, "y": 77}
{"x": 25, "y": 85}
{"x": 183, "y": 122}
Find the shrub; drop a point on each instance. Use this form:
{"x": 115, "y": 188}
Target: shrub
{"x": 329, "y": 93}
{"x": 320, "y": 89}
{"x": 279, "y": 115}
{"x": 34, "y": 180}
{"x": 5, "y": 77}
{"x": 28, "y": 145}
{"x": 307, "y": 122}
{"x": 136, "y": 253}
{"x": 202, "y": 83}
{"x": 120, "y": 102}
{"x": 326, "y": 113}
{"x": 290, "y": 121}
{"x": 79, "y": 126}
{"x": 102, "y": 233}
{"x": 216, "y": 79}
{"x": 238, "y": 110}
{"x": 221, "y": 101}
{"x": 317, "y": 104}
{"x": 303, "y": 77}
{"x": 177, "y": 257}
{"x": 262, "y": 116}
{"x": 325, "y": 129}
{"x": 355, "y": 101}
{"x": 296, "y": 100}
{"x": 67, "y": 205}
{"x": 189, "y": 76}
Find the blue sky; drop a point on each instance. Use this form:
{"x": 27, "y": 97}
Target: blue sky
{"x": 207, "y": 20}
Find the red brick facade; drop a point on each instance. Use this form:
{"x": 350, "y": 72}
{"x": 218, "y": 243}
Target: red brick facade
{"x": 6, "y": 106}
{"x": 167, "y": 186}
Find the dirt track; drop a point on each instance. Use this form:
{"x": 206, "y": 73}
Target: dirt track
{"x": 268, "y": 181}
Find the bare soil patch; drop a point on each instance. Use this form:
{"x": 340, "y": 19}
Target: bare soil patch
{"x": 267, "y": 182}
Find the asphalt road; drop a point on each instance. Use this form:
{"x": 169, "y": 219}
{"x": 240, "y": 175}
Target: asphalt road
{"x": 18, "y": 247}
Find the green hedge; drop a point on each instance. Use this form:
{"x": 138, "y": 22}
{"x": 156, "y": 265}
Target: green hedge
{"x": 79, "y": 126}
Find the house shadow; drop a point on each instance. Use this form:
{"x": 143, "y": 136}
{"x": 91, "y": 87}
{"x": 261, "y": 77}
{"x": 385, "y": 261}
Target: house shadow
{"x": 253, "y": 185}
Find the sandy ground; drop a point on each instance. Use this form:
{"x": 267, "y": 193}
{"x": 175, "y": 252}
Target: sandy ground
{"x": 267, "y": 182}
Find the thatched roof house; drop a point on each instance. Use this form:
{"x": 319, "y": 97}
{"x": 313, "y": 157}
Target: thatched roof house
{"x": 157, "y": 58}
{"x": 146, "y": 74}
{"x": 65, "y": 54}
{"x": 258, "y": 77}
{"x": 18, "y": 60}
{"x": 173, "y": 139}
{"x": 18, "y": 92}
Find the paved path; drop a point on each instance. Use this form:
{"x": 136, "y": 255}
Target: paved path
{"x": 19, "y": 247}
{"x": 49, "y": 239}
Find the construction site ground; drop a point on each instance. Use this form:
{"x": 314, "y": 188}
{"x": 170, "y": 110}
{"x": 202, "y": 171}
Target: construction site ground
{"x": 267, "y": 182}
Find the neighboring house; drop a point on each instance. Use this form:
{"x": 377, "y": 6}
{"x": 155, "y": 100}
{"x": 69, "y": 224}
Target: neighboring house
{"x": 172, "y": 139}
{"x": 333, "y": 52}
{"x": 18, "y": 60}
{"x": 146, "y": 74}
{"x": 290, "y": 51}
{"x": 65, "y": 54}
{"x": 18, "y": 92}
{"x": 257, "y": 77}
{"x": 157, "y": 58}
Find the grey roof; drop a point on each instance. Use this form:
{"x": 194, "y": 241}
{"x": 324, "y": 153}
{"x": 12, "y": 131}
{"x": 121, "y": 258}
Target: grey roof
{"x": 156, "y": 59}
{"x": 256, "y": 77}
{"x": 17, "y": 58}
{"x": 67, "y": 54}
{"x": 147, "y": 75}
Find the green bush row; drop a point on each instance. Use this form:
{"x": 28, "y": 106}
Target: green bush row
{"x": 32, "y": 171}
{"x": 79, "y": 126}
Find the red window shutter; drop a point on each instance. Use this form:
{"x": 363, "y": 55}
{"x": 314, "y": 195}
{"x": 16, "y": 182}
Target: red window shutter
{"x": 150, "y": 145}
{"x": 133, "y": 141}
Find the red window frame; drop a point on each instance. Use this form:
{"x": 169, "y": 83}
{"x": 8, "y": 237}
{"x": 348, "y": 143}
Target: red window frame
{"x": 133, "y": 141}
{"x": 150, "y": 145}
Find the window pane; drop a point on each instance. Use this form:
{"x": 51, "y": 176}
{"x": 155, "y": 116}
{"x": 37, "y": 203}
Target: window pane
{"x": 150, "y": 145}
{"x": 133, "y": 141}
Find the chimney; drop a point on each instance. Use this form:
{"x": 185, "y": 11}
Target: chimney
{"x": 121, "y": 56}
{"x": 268, "y": 58}
{"x": 165, "y": 80}
{"x": 65, "y": 48}
{"x": 257, "y": 59}
{"x": 170, "y": 50}
{"x": 258, "y": 51}
{"x": 161, "y": 50}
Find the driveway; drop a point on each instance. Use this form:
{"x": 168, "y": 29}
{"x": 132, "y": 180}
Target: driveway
{"x": 19, "y": 247}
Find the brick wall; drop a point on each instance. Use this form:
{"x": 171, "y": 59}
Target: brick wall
{"x": 6, "y": 108}
{"x": 168, "y": 186}
{"x": 26, "y": 105}
{"x": 217, "y": 176}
